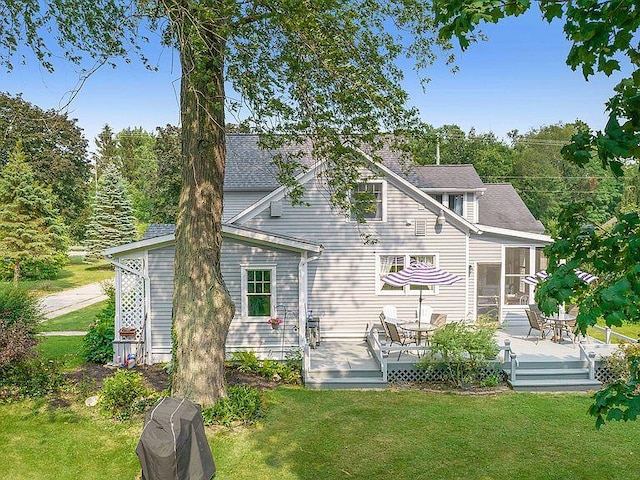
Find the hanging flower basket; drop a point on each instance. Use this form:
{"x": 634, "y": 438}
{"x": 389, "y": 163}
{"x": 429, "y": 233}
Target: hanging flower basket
{"x": 275, "y": 323}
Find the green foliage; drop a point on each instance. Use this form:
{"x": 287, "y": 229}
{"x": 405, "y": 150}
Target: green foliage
{"x": 165, "y": 188}
{"x": 289, "y": 371}
{"x": 54, "y": 147}
{"x": 29, "y": 378}
{"x": 242, "y": 404}
{"x": 464, "y": 351}
{"x": 97, "y": 345}
{"x": 124, "y": 394}
{"x": 30, "y": 228}
{"x": 620, "y": 362}
{"x": 111, "y": 222}
{"x": 20, "y": 317}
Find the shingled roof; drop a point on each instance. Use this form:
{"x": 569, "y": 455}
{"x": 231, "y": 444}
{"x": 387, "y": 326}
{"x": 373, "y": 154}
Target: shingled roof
{"x": 502, "y": 207}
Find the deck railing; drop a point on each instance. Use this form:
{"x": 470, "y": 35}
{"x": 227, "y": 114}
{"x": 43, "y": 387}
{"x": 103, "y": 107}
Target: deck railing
{"x": 608, "y": 333}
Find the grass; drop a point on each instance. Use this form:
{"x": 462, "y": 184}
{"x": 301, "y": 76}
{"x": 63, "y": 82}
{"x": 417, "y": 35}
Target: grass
{"x": 402, "y": 434}
{"x": 629, "y": 329}
{"x": 67, "y": 351}
{"x": 76, "y": 320}
{"x": 76, "y": 274}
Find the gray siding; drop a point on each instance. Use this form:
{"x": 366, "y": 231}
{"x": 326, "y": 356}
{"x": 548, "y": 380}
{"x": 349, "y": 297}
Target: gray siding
{"x": 244, "y": 333}
{"x": 342, "y": 282}
{"x": 236, "y": 202}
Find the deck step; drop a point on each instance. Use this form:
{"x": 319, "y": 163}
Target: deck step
{"x": 552, "y": 373}
{"x": 345, "y": 383}
{"x": 327, "y": 373}
{"x": 555, "y": 385}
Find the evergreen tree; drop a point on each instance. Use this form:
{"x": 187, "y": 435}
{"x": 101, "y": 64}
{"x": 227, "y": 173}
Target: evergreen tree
{"x": 111, "y": 222}
{"x": 106, "y": 150}
{"x": 30, "y": 228}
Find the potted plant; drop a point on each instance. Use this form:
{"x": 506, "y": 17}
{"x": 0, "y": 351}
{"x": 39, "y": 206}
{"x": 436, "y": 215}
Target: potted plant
{"x": 275, "y": 322}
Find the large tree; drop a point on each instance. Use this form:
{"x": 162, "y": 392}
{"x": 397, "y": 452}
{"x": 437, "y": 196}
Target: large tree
{"x": 54, "y": 147}
{"x": 30, "y": 227}
{"x": 322, "y": 70}
{"x": 603, "y": 34}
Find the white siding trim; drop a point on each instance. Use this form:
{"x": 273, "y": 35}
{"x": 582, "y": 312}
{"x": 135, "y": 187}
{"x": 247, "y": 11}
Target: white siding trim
{"x": 147, "y": 313}
{"x": 534, "y": 237}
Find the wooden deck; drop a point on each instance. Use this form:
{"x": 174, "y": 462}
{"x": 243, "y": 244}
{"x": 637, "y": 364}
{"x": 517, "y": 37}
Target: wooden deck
{"x": 542, "y": 365}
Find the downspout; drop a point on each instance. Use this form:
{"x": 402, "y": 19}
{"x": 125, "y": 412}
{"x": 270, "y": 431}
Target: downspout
{"x": 303, "y": 295}
{"x": 467, "y": 275}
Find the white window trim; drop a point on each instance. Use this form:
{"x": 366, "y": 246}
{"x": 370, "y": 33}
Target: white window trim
{"x": 384, "y": 203}
{"x": 406, "y": 290}
{"x": 503, "y": 275}
{"x": 244, "y": 293}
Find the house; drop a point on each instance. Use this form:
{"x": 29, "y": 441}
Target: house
{"x": 280, "y": 260}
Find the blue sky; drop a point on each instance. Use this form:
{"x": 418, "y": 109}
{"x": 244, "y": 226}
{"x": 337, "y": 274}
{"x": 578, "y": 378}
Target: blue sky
{"x": 517, "y": 79}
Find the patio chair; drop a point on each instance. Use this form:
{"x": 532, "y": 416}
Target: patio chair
{"x": 438, "y": 319}
{"x": 536, "y": 322}
{"x": 399, "y": 338}
{"x": 385, "y": 329}
{"x": 426, "y": 313}
{"x": 390, "y": 313}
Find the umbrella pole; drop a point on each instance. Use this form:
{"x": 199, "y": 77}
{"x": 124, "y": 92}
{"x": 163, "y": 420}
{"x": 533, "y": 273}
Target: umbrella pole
{"x": 420, "y": 308}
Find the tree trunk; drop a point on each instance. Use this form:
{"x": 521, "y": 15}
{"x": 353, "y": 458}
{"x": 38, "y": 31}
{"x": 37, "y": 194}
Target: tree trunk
{"x": 202, "y": 306}
{"x": 16, "y": 272}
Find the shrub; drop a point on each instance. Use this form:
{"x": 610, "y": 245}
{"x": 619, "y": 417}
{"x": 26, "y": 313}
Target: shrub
{"x": 36, "y": 269}
{"x": 463, "y": 350}
{"x": 29, "y": 378}
{"x": 20, "y": 318}
{"x": 289, "y": 371}
{"x": 621, "y": 362}
{"x": 97, "y": 345}
{"x": 124, "y": 394}
{"x": 242, "y": 404}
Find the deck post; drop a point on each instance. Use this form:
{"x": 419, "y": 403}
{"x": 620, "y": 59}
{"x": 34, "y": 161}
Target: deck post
{"x": 507, "y": 350}
{"x": 592, "y": 365}
{"x": 607, "y": 335}
{"x": 514, "y": 362}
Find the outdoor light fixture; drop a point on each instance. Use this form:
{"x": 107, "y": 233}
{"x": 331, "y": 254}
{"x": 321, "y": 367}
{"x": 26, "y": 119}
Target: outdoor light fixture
{"x": 441, "y": 219}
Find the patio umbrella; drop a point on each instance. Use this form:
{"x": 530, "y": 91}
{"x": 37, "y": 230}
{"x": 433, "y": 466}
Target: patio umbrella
{"x": 420, "y": 274}
{"x": 542, "y": 275}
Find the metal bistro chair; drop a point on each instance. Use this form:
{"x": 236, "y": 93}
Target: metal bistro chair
{"x": 385, "y": 328}
{"x": 397, "y": 337}
{"x": 536, "y": 323}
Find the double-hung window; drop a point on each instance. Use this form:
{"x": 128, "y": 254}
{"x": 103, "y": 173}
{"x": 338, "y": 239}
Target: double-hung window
{"x": 393, "y": 263}
{"x": 258, "y": 291}
{"x": 368, "y": 202}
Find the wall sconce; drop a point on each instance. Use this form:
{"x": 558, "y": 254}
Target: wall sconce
{"x": 408, "y": 222}
{"x": 441, "y": 218}
{"x": 470, "y": 270}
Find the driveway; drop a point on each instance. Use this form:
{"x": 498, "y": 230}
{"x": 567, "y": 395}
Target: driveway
{"x": 67, "y": 301}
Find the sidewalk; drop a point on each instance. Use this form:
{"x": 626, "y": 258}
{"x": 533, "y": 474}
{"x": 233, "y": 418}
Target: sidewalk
{"x": 70, "y": 300}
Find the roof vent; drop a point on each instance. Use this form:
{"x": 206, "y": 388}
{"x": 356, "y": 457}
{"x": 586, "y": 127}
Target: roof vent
{"x": 276, "y": 208}
{"x": 421, "y": 228}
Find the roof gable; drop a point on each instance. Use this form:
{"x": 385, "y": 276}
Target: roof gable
{"x": 502, "y": 207}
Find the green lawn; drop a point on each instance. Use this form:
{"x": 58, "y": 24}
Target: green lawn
{"x": 67, "y": 351}
{"x": 305, "y": 434}
{"x": 77, "y": 320}
{"x": 76, "y": 274}
{"x": 629, "y": 329}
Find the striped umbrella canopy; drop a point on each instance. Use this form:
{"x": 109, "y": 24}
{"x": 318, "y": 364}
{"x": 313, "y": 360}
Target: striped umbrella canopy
{"x": 542, "y": 275}
{"x": 421, "y": 274}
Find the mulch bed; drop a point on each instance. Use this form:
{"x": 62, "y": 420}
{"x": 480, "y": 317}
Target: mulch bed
{"x": 156, "y": 377}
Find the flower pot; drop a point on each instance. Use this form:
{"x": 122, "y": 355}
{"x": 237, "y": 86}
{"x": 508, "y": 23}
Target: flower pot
{"x": 275, "y": 326}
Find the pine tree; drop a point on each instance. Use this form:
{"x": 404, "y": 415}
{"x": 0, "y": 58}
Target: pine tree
{"x": 106, "y": 150}
{"x": 111, "y": 222}
{"x": 30, "y": 228}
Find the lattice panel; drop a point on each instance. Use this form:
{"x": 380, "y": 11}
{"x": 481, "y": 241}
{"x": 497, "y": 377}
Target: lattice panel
{"x": 132, "y": 297}
{"x": 413, "y": 374}
{"x": 606, "y": 375}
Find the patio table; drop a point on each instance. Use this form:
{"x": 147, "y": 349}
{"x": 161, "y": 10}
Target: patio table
{"x": 422, "y": 328}
{"x": 559, "y": 320}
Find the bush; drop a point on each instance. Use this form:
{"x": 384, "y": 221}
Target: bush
{"x": 20, "y": 318}
{"x": 97, "y": 346}
{"x": 36, "y": 269}
{"x": 621, "y": 362}
{"x": 242, "y": 404}
{"x": 124, "y": 395}
{"x": 464, "y": 351}
{"x": 28, "y": 379}
{"x": 289, "y": 371}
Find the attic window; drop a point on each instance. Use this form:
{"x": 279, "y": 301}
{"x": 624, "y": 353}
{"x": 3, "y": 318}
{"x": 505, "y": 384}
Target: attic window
{"x": 368, "y": 202}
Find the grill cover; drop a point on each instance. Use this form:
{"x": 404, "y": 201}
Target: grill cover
{"x": 173, "y": 445}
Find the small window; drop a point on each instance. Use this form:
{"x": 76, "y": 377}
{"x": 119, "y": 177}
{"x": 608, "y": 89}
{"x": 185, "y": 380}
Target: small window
{"x": 456, "y": 202}
{"x": 393, "y": 263}
{"x": 258, "y": 291}
{"x": 368, "y": 202}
